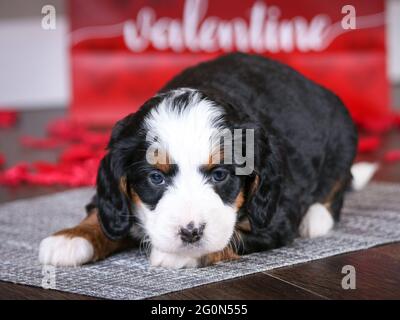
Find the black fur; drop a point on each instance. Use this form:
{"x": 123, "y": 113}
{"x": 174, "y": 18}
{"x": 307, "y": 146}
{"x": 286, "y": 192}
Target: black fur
{"x": 115, "y": 207}
{"x": 305, "y": 144}
{"x": 228, "y": 189}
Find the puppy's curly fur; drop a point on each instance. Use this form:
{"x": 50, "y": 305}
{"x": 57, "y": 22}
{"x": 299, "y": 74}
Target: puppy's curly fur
{"x": 305, "y": 144}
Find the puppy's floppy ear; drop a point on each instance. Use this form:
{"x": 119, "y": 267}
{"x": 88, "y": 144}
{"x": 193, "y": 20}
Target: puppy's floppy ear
{"x": 264, "y": 191}
{"x": 112, "y": 200}
{"x": 115, "y": 213}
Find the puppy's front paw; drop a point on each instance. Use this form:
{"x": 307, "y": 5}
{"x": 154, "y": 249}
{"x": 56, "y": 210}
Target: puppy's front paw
{"x": 64, "y": 251}
{"x": 317, "y": 222}
{"x": 173, "y": 261}
{"x": 216, "y": 257}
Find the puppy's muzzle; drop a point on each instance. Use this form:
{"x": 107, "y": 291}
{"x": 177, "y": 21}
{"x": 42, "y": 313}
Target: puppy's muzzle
{"x": 191, "y": 234}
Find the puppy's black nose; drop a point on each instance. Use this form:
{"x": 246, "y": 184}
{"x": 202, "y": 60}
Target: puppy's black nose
{"x": 190, "y": 234}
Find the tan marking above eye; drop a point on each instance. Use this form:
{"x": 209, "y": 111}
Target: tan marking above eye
{"x": 163, "y": 167}
{"x": 162, "y": 161}
{"x": 215, "y": 158}
{"x": 239, "y": 201}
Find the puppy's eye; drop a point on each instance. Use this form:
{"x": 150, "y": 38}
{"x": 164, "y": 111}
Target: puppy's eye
{"x": 219, "y": 175}
{"x": 157, "y": 178}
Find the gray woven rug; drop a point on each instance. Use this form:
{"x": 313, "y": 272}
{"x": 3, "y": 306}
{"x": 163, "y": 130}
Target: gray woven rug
{"x": 370, "y": 217}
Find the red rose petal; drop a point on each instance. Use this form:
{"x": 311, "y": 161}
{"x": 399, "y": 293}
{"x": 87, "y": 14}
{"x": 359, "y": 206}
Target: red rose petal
{"x": 368, "y": 144}
{"x": 78, "y": 161}
{"x": 76, "y": 153}
{"x": 378, "y": 125}
{"x": 66, "y": 130}
{"x": 2, "y": 159}
{"x": 15, "y": 175}
{"x": 8, "y": 118}
{"x": 96, "y": 139}
{"x": 392, "y": 156}
{"x": 397, "y": 119}
{"x": 40, "y": 143}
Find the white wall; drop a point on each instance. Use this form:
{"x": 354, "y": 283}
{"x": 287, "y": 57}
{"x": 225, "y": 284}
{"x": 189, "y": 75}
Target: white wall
{"x": 393, "y": 39}
{"x": 33, "y": 61}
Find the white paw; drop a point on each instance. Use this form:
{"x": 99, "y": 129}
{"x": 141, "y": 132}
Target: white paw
{"x": 317, "y": 222}
{"x": 64, "y": 252}
{"x": 173, "y": 261}
{"x": 362, "y": 173}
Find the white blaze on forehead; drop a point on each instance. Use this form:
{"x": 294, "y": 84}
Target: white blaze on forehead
{"x": 185, "y": 133}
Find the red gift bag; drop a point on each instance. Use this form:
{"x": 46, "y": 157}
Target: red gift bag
{"x": 122, "y": 52}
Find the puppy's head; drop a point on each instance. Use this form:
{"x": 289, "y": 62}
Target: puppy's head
{"x": 171, "y": 171}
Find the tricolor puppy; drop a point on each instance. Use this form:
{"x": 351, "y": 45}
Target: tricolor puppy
{"x": 236, "y": 155}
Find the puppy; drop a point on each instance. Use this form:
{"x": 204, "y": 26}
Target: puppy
{"x": 236, "y": 155}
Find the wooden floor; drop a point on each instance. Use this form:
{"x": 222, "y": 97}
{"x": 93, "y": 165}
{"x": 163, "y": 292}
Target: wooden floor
{"x": 377, "y": 269}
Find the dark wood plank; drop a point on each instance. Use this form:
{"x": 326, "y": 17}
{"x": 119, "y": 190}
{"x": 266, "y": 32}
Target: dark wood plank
{"x": 258, "y": 286}
{"x": 377, "y": 274}
{"x": 11, "y": 291}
